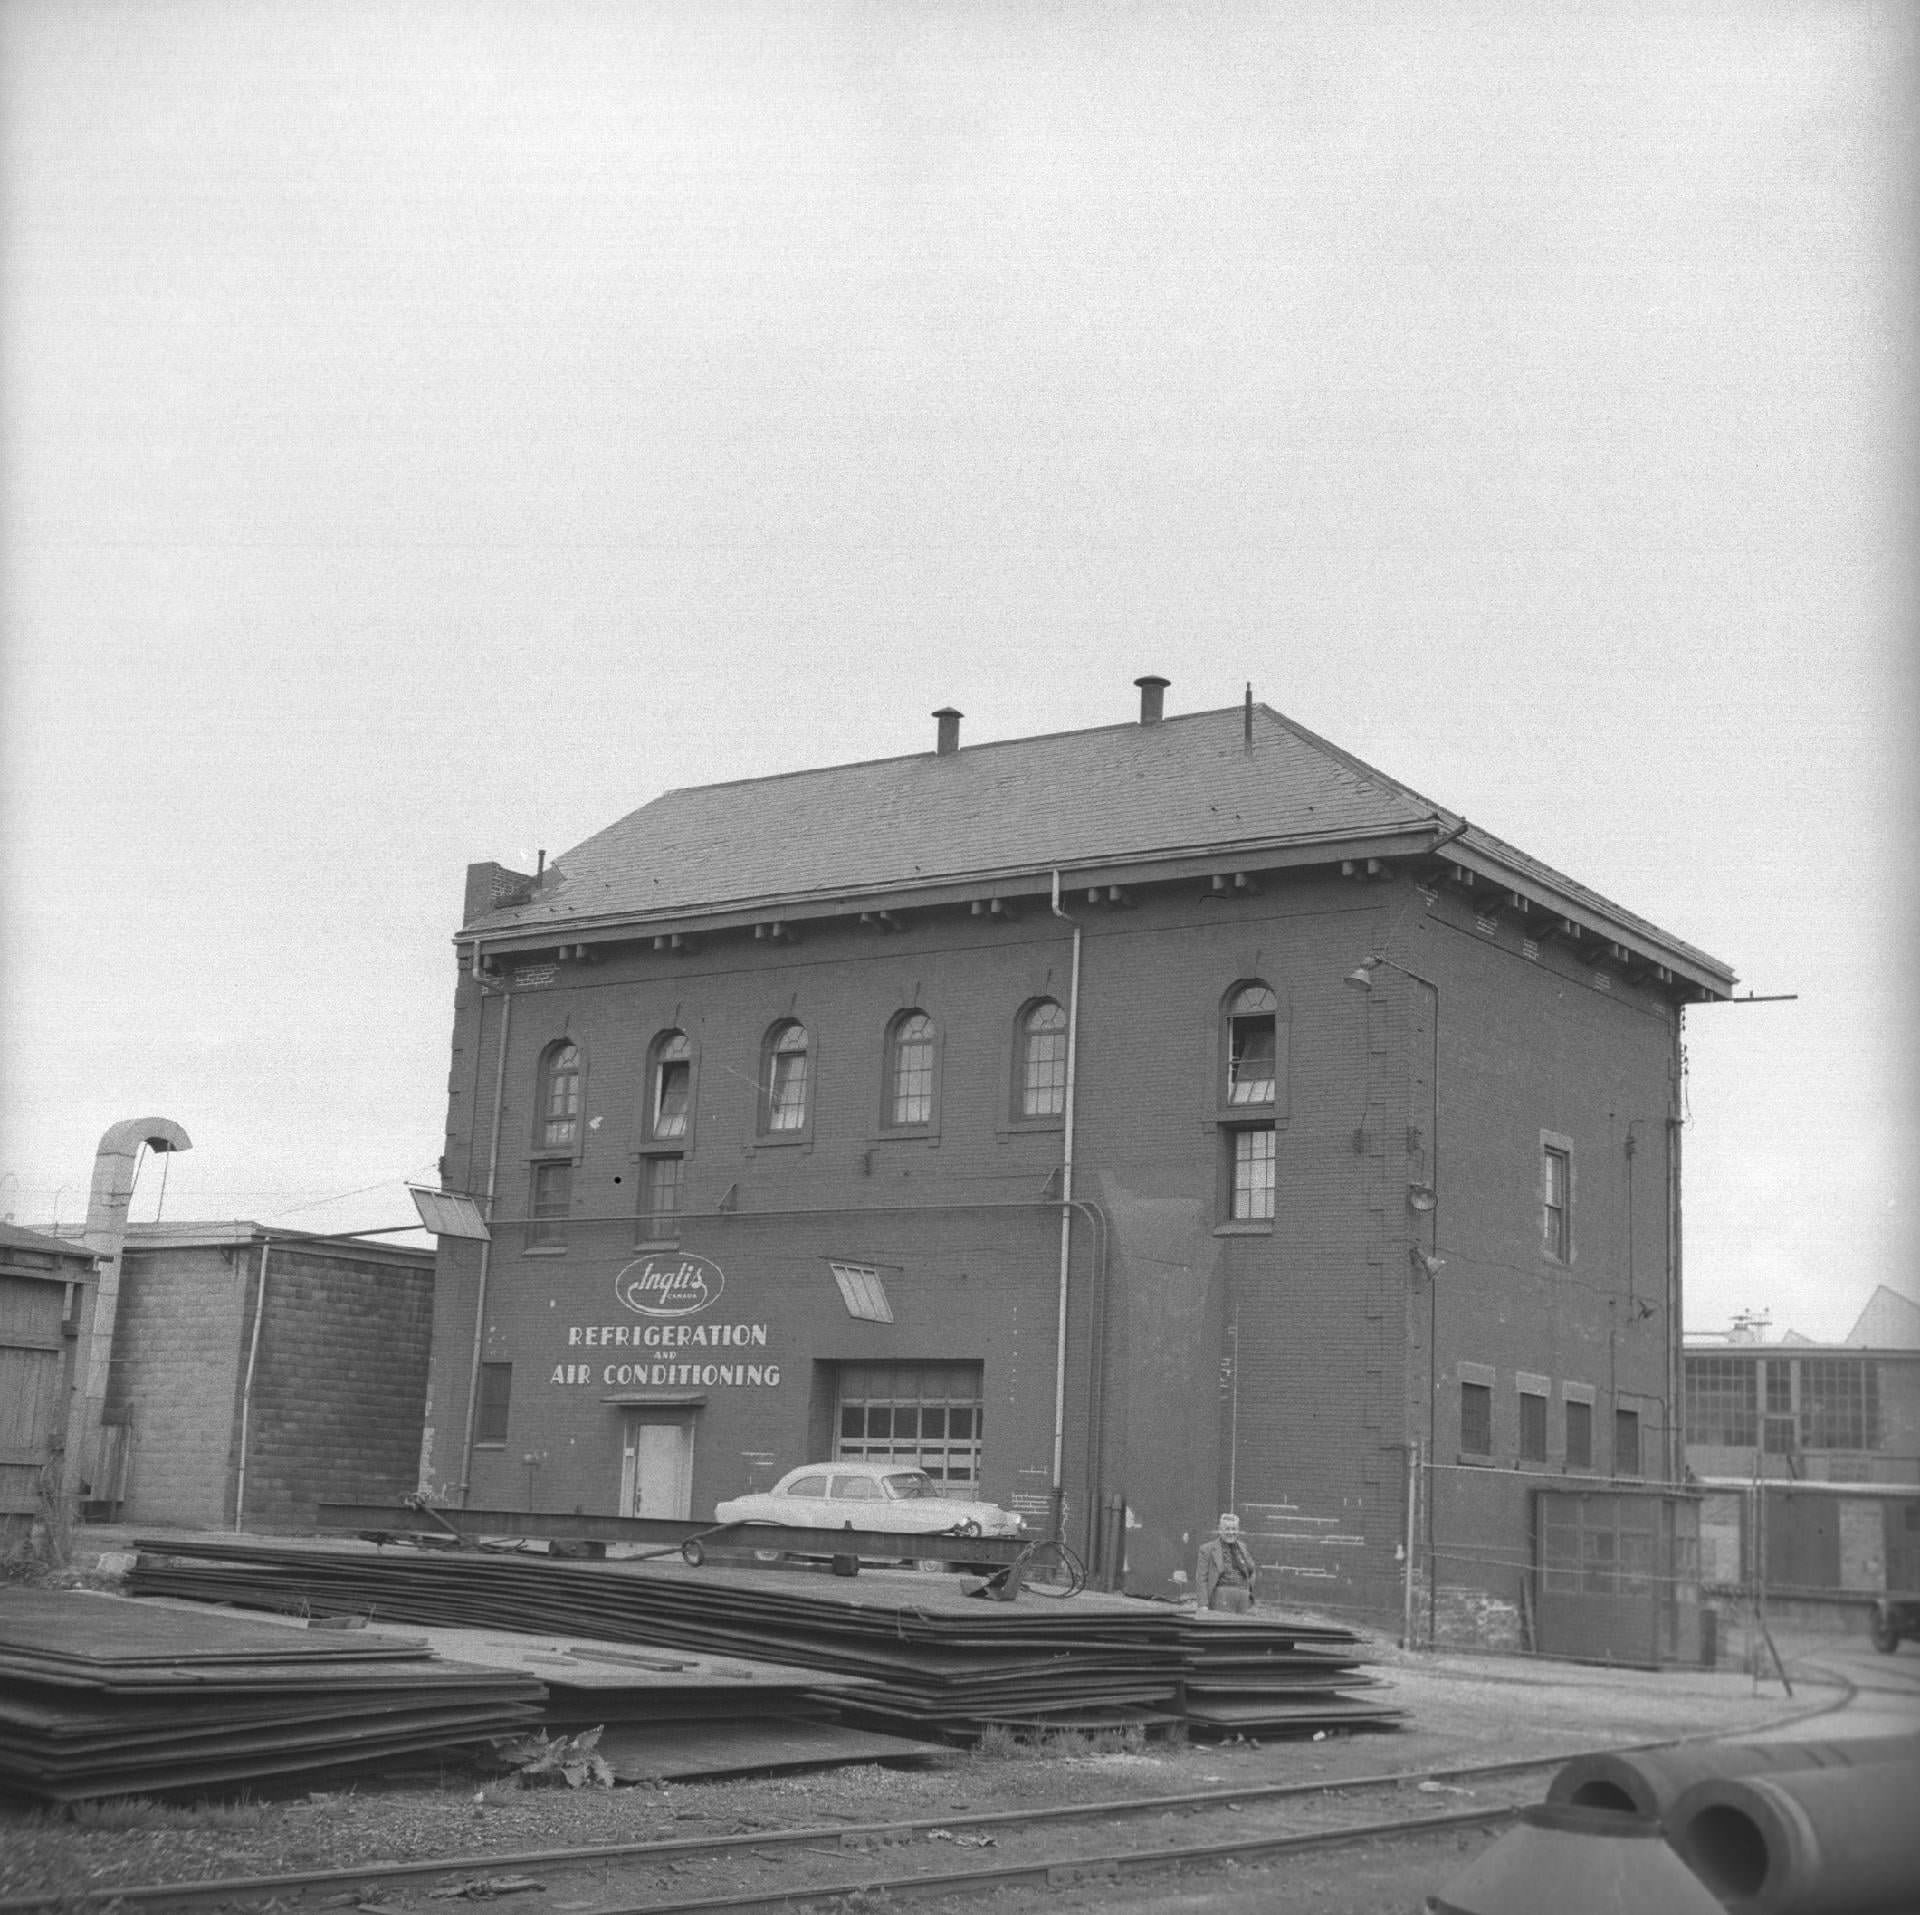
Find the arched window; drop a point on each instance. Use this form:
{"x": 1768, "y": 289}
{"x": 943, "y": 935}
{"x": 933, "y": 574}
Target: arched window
{"x": 670, "y": 1086}
{"x": 911, "y": 1044}
{"x": 1252, "y": 1018}
{"x": 557, "y": 1121}
{"x": 783, "y": 1078}
{"x": 1040, "y": 1074}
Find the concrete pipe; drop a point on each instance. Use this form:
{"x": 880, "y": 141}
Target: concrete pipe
{"x": 1805, "y": 1841}
{"x": 1650, "y": 1781}
{"x": 1576, "y": 1862}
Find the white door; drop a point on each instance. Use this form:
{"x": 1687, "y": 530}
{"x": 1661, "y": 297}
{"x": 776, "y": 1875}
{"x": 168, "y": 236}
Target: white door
{"x": 656, "y": 1468}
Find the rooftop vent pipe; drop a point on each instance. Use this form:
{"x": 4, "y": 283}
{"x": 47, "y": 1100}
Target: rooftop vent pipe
{"x": 1153, "y": 699}
{"x": 949, "y": 740}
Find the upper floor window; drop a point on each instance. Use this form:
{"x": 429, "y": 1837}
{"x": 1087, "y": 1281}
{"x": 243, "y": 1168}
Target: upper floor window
{"x": 1252, "y": 1047}
{"x": 1556, "y": 1200}
{"x": 551, "y": 1202}
{"x": 784, "y": 1078}
{"x": 670, "y": 1092}
{"x": 910, "y": 1070}
{"x": 1722, "y": 1401}
{"x": 1042, "y": 1073}
{"x": 559, "y": 1098}
{"x": 1250, "y": 1173}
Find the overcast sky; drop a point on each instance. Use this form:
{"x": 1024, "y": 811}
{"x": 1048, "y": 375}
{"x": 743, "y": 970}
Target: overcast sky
{"x": 431, "y": 431}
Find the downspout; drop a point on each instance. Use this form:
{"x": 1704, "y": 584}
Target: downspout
{"x": 246, "y": 1390}
{"x": 1676, "y": 1376}
{"x": 1057, "y": 1493}
{"x": 486, "y": 1245}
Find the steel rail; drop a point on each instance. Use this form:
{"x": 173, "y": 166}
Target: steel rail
{"x": 1065, "y": 1871}
{"x": 681, "y": 1848}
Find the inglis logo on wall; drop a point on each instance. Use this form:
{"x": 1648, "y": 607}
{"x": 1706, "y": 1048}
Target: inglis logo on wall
{"x": 669, "y": 1286}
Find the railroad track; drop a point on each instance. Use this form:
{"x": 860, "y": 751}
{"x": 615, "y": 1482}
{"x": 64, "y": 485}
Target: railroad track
{"x": 955, "y": 1855}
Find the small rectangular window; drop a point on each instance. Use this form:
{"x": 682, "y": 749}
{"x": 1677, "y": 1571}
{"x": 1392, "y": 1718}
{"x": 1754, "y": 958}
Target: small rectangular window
{"x": 552, "y": 1200}
{"x": 496, "y": 1397}
{"x": 1533, "y": 1427}
{"x": 661, "y": 1181}
{"x": 1253, "y": 1175}
{"x": 1626, "y": 1442}
{"x": 1476, "y": 1419}
{"x": 1556, "y": 1187}
{"x": 1579, "y": 1435}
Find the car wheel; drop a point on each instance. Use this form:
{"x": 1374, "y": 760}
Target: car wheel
{"x": 1883, "y": 1629}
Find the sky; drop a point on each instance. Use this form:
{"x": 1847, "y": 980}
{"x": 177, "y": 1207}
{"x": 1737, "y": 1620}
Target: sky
{"x": 429, "y": 431}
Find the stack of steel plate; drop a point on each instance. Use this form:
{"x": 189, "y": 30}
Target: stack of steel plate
{"x": 1275, "y": 1675}
{"x": 100, "y": 1696}
{"x": 937, "y": 1661}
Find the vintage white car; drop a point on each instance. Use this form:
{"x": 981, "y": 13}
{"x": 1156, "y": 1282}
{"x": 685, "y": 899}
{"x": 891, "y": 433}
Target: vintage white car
{"x": 881, "y": 1496}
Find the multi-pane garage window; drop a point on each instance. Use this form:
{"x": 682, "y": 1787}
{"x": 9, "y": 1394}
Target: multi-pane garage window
{"x": 1839, "y": 1403}
{"x": 670, "y": 1101}
{"x": 786, "y": 1078}
{"x": 1251, "y": 1172}
{"x": 661, "y": 1181}
{"x": 1043, "y": 1060}
{"x": 559, "y": 1123}
{"x": 919, "y": 1415}
{"x": 910, "y": 1060}
{"x": 1252, "y": 1024}
{"x": 1723, "y": 1401}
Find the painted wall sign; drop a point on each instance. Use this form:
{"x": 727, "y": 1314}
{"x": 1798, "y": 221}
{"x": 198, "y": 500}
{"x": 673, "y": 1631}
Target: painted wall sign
{"x": 671, "y": 1285}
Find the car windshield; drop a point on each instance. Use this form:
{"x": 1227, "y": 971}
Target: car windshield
{"x": 912, "y": 1483}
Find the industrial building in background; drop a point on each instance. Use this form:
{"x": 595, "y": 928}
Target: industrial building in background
{"x": 1123, "y": 1125}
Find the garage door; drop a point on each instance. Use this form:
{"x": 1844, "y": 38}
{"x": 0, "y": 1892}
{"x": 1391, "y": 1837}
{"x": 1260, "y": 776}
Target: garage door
{"x": 924, "y": 1415}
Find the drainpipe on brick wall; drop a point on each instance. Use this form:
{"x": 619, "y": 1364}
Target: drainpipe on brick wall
{"x": 1057, "y": 1493}
{"x": 486, "y": 1246}
{"x": 246, "y": 1390}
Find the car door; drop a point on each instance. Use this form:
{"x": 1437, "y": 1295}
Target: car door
{"x": 860, "y": 1502}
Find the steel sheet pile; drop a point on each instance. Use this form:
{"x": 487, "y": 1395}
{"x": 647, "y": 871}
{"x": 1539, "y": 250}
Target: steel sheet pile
{"x": 100, "y": 1697}
{"x": 940, "y": 1663}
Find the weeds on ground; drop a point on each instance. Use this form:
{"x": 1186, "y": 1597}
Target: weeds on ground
{"x": 999, "y": 1743}
{"x": 119, "y": 1814}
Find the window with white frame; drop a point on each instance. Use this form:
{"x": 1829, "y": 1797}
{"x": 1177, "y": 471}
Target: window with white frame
{"x": 670, "y": 1086}
{"x": 1041, "y": 1066}
{"x": 1251, "y": 1173}
{"x": 1252, "y": 1045}
{"x": 1556, "y": 1198}
{"x": 557, "y": 1123}
{"x": 911, "y": 1056}
{"x": 784, "y": 1078}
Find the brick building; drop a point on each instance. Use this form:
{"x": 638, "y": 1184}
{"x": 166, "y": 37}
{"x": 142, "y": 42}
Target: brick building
{"x": 1339, "y": 1135}
{"x": 227, "y": 1412}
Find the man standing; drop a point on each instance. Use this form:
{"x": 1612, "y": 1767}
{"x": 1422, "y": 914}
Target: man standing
{"x": 1227, "y": 1572}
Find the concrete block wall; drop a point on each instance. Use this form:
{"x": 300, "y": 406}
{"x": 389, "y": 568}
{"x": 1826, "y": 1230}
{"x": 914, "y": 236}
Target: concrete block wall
{"x": 340, "y": 1383}
{"x": 178, "y": 1346}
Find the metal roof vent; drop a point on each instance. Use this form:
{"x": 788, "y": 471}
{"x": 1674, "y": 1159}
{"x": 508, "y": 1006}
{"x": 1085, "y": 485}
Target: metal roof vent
{"x": 1153, "y": 699}
{"x": 949, "y": 740}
